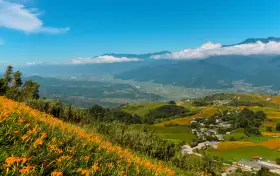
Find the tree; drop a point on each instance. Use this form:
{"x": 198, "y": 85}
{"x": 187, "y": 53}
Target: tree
{"x": 30, "y": 90}
{"x": 265, "y": 172}
{"x": 3, "y": 87}
{"x": 17, "y": 82}
{"x": 13, "y": 93}
{"x": 278, "y": 161}
{"x": 212, "y": 165}
{"x": 8, "y": 75}
{"x": 97, "y": 111}
{"x": 278, "y": 127}
{"x": 172, "y": 102}
{"x": 269, "y": 128}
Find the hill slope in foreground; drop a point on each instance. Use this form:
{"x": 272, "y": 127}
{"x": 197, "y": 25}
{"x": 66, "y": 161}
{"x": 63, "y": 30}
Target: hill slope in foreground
{"x": 35, "y": 143}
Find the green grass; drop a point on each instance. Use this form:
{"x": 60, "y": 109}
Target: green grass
{"x": 239, "y": 135}
{"x": 176, "y": 134}
{"x": 246, "y": 153}
{"x": 142, "y": 109}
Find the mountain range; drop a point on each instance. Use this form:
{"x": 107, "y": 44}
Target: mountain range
{"x": 214, "y": 72}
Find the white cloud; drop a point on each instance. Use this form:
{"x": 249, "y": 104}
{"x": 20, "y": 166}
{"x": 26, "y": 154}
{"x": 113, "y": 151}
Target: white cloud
{"x": 103, "y": 59}
{"x": 16, "y": 16}
{"x": 33, "y": 63}
{"x": 51, "y": 30}
{"x": 215, "y": 49}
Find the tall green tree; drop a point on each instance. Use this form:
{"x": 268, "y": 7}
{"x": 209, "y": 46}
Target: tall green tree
{"x": 30, "y": 90}
{"x": 8, "y": 75}
{"x": 17, "y": 82}
{"x": 3, "y": 87}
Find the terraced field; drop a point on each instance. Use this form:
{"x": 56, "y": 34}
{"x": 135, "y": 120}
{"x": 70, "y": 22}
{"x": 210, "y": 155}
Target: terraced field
{"x": 206, "y": 112}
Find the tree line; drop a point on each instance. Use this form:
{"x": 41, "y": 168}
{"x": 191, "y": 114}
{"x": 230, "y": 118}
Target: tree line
{"x": 12, "y": 86}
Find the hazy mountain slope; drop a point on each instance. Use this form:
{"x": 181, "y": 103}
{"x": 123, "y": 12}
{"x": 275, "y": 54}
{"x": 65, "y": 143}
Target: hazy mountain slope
{"x": 194, "y": 73}
{"x": 90, "y": 68}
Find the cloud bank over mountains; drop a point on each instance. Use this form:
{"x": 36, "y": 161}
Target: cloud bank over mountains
{"x": 205, "y": 51}
{"x": 104, "y": 59}
{"x": 216, "y": 49}
{"x": 18, "y": 17}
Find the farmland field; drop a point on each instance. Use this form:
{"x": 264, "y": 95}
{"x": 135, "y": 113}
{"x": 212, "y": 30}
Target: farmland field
{"x": 246, "y": 152}
{"x": 176, "y": 134}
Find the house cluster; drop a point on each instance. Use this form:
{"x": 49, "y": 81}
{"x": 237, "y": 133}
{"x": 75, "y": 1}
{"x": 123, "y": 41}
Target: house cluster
{"x": 205, "y": 131}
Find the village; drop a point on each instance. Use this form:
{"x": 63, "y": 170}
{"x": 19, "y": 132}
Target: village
{"x": 212, "y": 131}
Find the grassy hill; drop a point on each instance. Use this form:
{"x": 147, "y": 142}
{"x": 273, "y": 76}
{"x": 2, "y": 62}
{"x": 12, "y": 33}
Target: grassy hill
{"x": 244, "y": 146}
{"x": 34, "y": 143}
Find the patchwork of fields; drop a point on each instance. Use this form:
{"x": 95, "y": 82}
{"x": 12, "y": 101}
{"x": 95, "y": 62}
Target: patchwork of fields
{"x": 267, "y": 145}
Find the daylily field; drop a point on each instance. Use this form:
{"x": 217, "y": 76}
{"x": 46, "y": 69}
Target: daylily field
{"x": 34, "y": 143}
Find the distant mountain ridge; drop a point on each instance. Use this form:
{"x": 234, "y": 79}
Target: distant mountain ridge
{"x": 254, "y": 40}
{"x": 216, "y": 72}
{"x": 140, "y": 56}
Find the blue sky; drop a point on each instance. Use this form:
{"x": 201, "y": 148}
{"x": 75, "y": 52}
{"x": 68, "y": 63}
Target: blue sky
{"x": 61, "y": 30}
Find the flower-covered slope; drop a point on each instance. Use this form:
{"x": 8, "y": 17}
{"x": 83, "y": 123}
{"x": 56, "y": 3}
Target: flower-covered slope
{"x": 34, "y": 143}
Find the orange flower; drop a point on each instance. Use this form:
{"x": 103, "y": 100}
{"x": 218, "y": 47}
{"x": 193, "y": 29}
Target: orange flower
{"x": 95, "y": 167}
{"x": 44, "y": 135}
{"x": 20, "y": 121}
{"x": 54, "y": 139}
{"x": 59, "y": 160}
{"x": 110, "y": 165}
{"x": 24, "y": 160}
{"x": 11, "y": 160}
{"x": 52, "y": 147}
{"x": 59, "y": 151}
{"x": 56, "y": 174}
{"x": 25, "y": 137}
{"x": 16, "y": 132}
{"x": 85, "y": 172}
{"x": 26, "y": 169}
{"x": 39, "y": 142}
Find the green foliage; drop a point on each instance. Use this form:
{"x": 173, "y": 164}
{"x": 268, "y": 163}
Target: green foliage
{"x": 13, "y": 93}
{"x": 8, "y": 75}
{"x": 11, "y": 86}
{"x": 98, "y": 112}
{"x": 245, "y": 103}
{"x": 30, "y": 90}
{"x": 212, "y": 165}
{"x": 17, "y": 82}
{"x": 247, "y": 119}
{"x": 143, "y": 141}
{"x": 172, "y": 102}
{"x": 195, "y": 125}
{"x": 3, "y": 87}
{"x": 278, "y": 127}
{"x": 278, "y": 161}
{"x": 121, "y": 116}
{"x": 165, "y": 112}
{"x": 265, "y": 172}
{"x": 200, "y": 103}
{"x": 269, "y": 129}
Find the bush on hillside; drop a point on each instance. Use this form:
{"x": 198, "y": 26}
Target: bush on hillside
{"x": 278, "y": 127}
{"x": 165, "y": 112}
